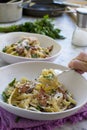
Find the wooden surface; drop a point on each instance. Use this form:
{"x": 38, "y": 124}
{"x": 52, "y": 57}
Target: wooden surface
{"x": 77, "y": 1}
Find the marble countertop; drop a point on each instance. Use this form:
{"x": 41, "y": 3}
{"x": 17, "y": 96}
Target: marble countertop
{"x": 68, "y": 52}
{"x": 78, "y": 126}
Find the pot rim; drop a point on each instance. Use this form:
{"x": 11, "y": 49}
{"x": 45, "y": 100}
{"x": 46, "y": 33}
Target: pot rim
{"x": 19, "y": 1}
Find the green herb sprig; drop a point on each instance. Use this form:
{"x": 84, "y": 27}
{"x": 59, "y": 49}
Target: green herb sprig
{"x": 43, "y": 26}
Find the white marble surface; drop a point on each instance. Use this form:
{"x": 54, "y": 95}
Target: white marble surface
{"x": 68, "y": 52}
{"x": 78, "y": 126}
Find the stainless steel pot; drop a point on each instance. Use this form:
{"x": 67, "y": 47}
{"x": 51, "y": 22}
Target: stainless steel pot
{"x": 10, "y": 12}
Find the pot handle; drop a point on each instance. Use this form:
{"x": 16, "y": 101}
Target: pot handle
{"x": 23, "y": 3}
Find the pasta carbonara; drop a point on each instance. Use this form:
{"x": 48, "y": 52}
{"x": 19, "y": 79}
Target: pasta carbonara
{"x": 28, "y": 47}
{"x": 45, "y": 94}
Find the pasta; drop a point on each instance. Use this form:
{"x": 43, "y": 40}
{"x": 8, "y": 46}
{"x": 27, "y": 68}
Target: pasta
{"x": 28, "y": 47}
{"x": 45, "y": 94}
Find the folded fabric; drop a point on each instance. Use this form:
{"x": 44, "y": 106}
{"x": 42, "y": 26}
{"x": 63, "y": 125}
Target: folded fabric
{"x": 9, "y": 121}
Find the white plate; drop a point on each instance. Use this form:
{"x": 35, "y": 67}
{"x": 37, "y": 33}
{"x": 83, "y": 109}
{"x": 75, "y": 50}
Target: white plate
{"x": 45, "y": 41}
{"x": 73, "y": 81}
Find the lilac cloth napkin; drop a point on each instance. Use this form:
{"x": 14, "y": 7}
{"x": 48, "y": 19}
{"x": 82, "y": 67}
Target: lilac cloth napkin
{"x": 9, "y": 121}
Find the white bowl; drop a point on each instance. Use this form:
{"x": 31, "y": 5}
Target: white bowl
{"x": 73, "y": 81}
{"x": 45, "y": 41}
